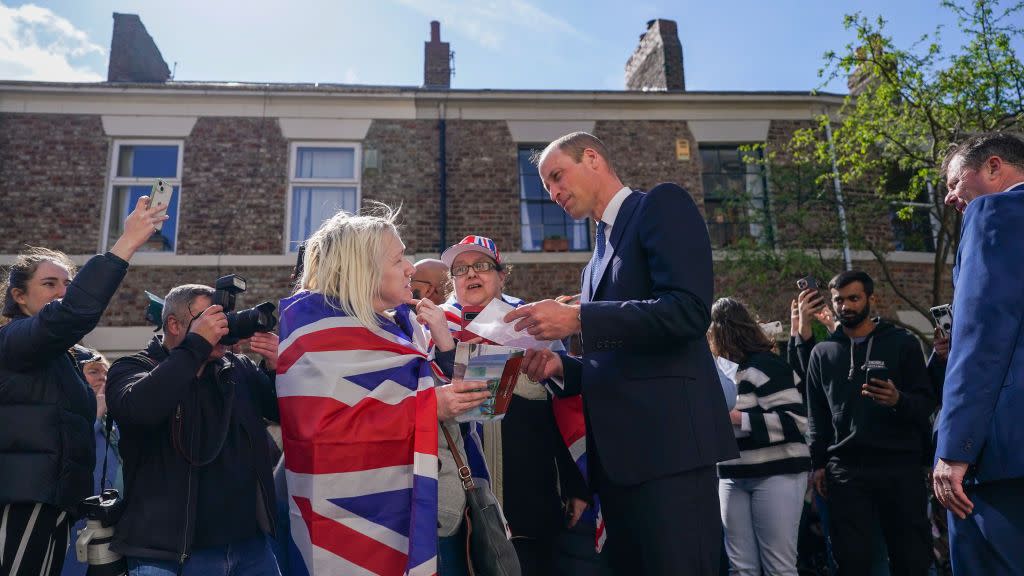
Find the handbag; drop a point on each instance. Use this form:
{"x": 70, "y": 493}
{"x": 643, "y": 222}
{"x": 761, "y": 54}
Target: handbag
{"x": 489, "y": 552}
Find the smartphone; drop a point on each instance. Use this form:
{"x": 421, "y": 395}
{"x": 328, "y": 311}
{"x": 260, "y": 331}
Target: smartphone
{"x": 943, "y": 318}
{"x": 160, "y": 194}
{"x": 772, "y": 330}
{"x": 469, "y": 313}
{"x": 807, "y": 282}
{"x": 876, "y": 373}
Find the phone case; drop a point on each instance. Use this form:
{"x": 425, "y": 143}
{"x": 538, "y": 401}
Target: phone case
{"x": 160, "y": 194}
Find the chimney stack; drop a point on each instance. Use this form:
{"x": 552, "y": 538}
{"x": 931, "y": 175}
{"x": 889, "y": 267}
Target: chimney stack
{"x": 134, "y": 56}
{"x": 657, "y": 63}
{"x": 437, "y": 60}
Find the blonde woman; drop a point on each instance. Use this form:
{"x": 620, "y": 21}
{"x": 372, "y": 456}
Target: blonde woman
{"x": 360, "y": 409}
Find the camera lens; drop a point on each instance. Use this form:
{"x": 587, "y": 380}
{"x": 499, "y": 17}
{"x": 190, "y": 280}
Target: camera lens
{"x": 244, "y": 323}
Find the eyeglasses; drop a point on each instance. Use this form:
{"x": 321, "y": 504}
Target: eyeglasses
{"x": 479, "y": 267}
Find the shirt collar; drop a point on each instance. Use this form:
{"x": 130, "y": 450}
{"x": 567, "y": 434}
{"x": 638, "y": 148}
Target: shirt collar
{"x": 1014, "y": 186}
{"x": 612, "y": 209}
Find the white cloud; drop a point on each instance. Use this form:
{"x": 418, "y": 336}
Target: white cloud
{"x": 488, "y": 21}
{"x": 36, "y": 44}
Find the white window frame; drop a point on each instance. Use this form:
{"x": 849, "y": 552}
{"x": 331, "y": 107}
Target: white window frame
{"x": 114, "y": 180}
{"x": 293, "y": 182}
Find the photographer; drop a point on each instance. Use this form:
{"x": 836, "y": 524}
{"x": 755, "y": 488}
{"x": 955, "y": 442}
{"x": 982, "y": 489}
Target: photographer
{"x": 197, "y": 465}
{"x": 47, "y": 452}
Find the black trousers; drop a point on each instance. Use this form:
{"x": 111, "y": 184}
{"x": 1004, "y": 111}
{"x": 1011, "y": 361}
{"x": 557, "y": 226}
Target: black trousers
{"x": 861, "y": 499}
{"x": 34, "y": 539}
{"x": 666, "y": 526}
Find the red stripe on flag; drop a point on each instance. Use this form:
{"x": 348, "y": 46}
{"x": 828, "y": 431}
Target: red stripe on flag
{"x": 569, "y": 418}
{"x": 324, "y": 436}
{"x": 425, "y": 441}
{"x": 338, "y": 339}
{"x": 354, "y": 546}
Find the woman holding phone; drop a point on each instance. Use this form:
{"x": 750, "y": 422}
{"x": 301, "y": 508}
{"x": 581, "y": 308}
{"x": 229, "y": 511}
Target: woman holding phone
{"x": 47, "y": 451}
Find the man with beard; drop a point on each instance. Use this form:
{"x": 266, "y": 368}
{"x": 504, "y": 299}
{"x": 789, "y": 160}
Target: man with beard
{"x": 869, "y": 400}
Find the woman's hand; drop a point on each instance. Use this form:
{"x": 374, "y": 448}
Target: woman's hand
{"x": 457, "y": 398}
{"x": 138, "y": 227}
{"x": 430, "y": 315}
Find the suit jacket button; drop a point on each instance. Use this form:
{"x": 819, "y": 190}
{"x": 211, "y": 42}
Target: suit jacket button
{"x": 968, "y": 445}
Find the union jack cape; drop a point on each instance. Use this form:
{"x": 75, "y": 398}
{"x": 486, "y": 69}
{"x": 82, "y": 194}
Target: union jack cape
{"x": 359, "y": 425}
{"x": 568, "y": 414}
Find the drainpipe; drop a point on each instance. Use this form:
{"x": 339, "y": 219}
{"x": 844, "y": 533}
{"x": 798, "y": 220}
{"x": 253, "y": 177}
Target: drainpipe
{"x": 442, "y": 168}
{"x": 840, "y": 204}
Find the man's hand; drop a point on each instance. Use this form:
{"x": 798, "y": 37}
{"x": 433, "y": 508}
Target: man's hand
{"x": 819, "y": 483}
{"x": 539, "y": 365}
{"x": 458, "y": 397}
{"x": 941, "y": 344}
{"x": 430, "y": 315}
{"x": 574, "y": 508}
{"x": 948, "y": 483}
{"x": 808, "y": 303}
{"x": 547, "y": 319}
{"x": 883, "y": 392}
{"x": 212, "y": 324}
{"x": 265, "y": 344}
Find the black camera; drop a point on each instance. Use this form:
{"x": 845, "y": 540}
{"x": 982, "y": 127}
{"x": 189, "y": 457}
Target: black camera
{"x": 93, "y": 543}
{"x": 243, "y": 323}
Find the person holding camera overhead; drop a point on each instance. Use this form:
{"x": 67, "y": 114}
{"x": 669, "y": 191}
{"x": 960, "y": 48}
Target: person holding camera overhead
{"x": 47, "y": 451}
{"x": 197, "y": 466}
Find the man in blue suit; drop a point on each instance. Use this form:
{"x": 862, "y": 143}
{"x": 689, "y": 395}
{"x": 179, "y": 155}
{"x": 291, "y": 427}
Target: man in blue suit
{"x": 657, "y": 421}
{"x": 979, "y": 471}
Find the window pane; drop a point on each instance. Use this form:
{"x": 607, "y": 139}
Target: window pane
{"x": 532, "y": 213}
{"x": 123, "y": 202}
{"x": 147, "y": 162}
{"x": 325, "y": 163}
{"x": 579, "y": 236}
{"x": 533, "y": 236}
{"x": 709, "y": 160}
{"x": 532, "y": 187}
{"x": 914, "y": 234}
{"x": 311, "y": 206}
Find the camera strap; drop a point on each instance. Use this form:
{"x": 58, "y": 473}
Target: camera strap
{"x": 108, "y": 426}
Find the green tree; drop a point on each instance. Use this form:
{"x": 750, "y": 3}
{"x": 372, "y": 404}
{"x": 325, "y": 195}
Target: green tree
{"x": 905, "y": 108}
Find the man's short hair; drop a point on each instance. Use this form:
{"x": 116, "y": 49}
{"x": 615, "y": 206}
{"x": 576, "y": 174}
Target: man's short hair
{"x": 848, "y": 277}
{"x": 573, "y": 145}
{"x": 180, "y": 299}
{"x": 977, "y": 149}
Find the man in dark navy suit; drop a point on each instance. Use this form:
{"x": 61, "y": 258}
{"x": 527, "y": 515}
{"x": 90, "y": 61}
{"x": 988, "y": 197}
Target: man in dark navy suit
{"x": 657, "y": 420}
{"x": 979, "y": 470}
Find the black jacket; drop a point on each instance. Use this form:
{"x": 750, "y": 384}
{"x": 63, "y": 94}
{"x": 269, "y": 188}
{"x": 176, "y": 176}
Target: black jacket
{"x": 47, "y": 451}
{"x": 154, "y": 397}
{"x": 854, "y": 430}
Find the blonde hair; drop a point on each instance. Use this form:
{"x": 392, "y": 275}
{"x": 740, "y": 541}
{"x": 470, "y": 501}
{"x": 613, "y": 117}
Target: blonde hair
{"x": 343, "y": 260}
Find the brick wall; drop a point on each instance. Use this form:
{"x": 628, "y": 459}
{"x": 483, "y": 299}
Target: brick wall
{"x": 483, "y": 182}
{"x": 53, "y": 174}
{"x": 407, "y": 177}
{"x": 657, "y": 62}
{"x": 234, "y": 182}
{"x": 128, "y": 306}
{"x": 644, "y": 153}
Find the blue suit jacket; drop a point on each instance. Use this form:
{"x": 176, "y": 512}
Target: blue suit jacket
{"x": 982, "y": 418}
{"x": 654, "y": 403}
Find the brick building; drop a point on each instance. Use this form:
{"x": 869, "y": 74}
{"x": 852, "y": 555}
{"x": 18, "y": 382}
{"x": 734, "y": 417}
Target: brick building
{"x": 256, "y": 167}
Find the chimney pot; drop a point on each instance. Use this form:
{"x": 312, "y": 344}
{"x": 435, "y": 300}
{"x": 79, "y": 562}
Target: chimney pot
{"x": 435, "y": 31}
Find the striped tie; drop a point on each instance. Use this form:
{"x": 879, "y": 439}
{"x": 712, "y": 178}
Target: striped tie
{"x": 599, "y": 243}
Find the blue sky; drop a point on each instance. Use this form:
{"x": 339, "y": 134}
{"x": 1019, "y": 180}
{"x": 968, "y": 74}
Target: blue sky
{"x": 519, "y": 44}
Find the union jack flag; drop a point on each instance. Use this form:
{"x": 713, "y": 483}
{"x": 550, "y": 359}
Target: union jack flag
{"x": 359, "y": 425}
{"x": 568, "y": 414}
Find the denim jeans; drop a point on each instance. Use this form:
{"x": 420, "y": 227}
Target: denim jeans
{"x": 251, "y": 557}
{"x": 761, "y": 517}
{"x": 451, "y": 554}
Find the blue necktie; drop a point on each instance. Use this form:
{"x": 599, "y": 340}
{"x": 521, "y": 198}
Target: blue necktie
{"x": 599, "y": 243}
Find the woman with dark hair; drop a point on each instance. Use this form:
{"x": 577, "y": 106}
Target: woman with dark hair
{"x": 761, "y": 492}
{"x": 47, "y": 448}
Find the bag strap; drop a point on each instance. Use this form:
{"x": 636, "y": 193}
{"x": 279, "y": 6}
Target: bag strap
{"x": 465, "y": 474}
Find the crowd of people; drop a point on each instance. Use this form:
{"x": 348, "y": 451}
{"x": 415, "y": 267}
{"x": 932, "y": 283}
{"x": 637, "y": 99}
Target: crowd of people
{"x": 652, "y": 430}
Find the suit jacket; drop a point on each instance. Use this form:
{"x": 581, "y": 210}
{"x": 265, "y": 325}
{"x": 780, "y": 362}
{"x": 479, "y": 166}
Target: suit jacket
{"x": 653, "y": 399}
{"x": 983, "y": 397}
